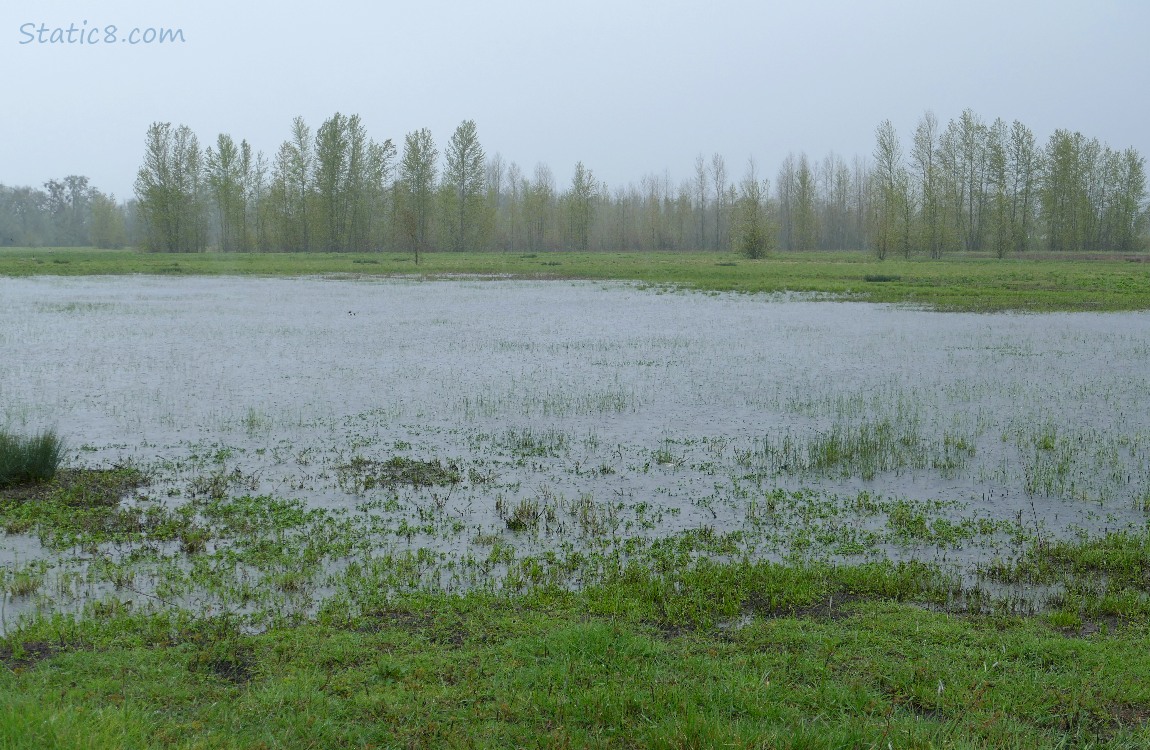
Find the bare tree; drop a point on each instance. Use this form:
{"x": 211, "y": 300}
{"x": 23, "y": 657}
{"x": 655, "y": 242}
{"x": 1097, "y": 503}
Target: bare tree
{"x": 702, "y": 190}
{"x": 719, "y": 179}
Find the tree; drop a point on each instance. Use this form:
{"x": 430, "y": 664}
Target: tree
{"x": 891, "y": 187}
{"x": 924, "y": 160}
{"x": 963, "y": 157}
{"x": 255, "y": 190}
{"x": 719, "y": 178}
{"x": 226, "y": 177}
{"x": 753, "y": 233}
{"x": 539, "y": 207}
{"x": 464, "y": 176}
{"x": 1063, "y": 190}
{"x": 836, "y": 210}
{"x": 107, "y": 227}
{"x": 806, "y": 219}
{"x": 999, "y": 185}
{"x": 517, "y": 187}
{"x": 1127, "y": 216}
{"x": 785, "y": 202}
{"x": 371, "y": 208}
{"x": 333, "y": 192}
{"x": 1024, "y": 165}
{"x": 68, "y": 210}
{"x": 169, "y": 190}
{"x": 580, "y": 201}
{"x": 291, "y": 189}
{"x": 701, "y": 190}
{"x": 23, "y": 217}
{"x": 417, "y": 171}
{"x": 495, "y": 181}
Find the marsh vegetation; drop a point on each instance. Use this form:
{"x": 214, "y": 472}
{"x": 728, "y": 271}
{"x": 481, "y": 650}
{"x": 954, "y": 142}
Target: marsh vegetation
{"x": 643, "y": 485}
{"x": 29, "y": 459}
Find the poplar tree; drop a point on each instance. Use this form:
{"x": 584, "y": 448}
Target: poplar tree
{"x": 417, "y": 171}
{"x": 332, "y": 181}
{"x": 891, "y": 197}
{"x": 464, "y": 177}
{"x": 169, "y": 190}
{"x": 580, "y": 202}
{"x": 226, "y": 168}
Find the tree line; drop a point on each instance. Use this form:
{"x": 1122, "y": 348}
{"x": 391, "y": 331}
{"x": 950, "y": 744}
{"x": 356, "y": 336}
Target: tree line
{"x": 968, "y": 186}
{"x": 973, "y": 186}
{"x": 68, "y": 212}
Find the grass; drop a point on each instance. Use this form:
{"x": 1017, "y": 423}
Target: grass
{"x": 274, "y": 624}
{"x": 365, "y": 474}
{"x": 29, "y": 460}
{"x": 630, "y": 663}
{"x": 1042, "y": 282}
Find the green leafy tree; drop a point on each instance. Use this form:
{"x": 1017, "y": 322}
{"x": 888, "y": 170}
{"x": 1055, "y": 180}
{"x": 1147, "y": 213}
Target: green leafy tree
{"x": 1024, "y": 166}
{"x": 169, "y": 190}
{"x": 417, "y": 171}
{"x": 998, "y": 186}
{"x": 225, "y": 168}
{"x": 373, "y": 204}
{"x": 1064, "y": 198}
{"x": 930, "y": 231}
{"x": 107, "y": 226}
{"x": 890, "y": 205}
{"x": 292, "y": 194}
{"x": 332, "y": 178}
{"x": 753, "y": 233}
{"x": 1125, "y": 213}
{"x": 580, "y": 201}
{"x": 465, "y": 182}
{"x": 539, "y": 207}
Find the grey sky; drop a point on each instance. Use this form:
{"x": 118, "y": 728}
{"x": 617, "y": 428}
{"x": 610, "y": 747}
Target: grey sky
{"x": 629, "y": 87}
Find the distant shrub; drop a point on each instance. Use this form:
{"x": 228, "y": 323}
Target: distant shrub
{"x": 881, "y": 277}
{"x": 24, "y": 460}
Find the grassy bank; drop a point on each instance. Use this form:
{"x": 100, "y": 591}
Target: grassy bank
{"x": 556, "y": 671}
{"x": 1045, "y": 283}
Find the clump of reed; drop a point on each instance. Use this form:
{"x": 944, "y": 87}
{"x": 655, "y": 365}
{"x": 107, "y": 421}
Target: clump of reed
{"x": 28, "y": 460}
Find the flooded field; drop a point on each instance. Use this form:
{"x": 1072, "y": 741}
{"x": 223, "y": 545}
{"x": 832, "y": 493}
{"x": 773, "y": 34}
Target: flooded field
{"x": 315, "y": 441}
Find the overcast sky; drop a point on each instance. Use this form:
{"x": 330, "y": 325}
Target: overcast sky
{"x": 627, "y": 87}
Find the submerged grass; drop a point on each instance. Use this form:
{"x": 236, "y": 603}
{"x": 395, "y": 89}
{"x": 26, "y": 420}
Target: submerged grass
{"x": 540, "y": 601}
{"x": 1034, "y": 282}
{"x": 862, "y": 449}
{"x": 271, "y": 622}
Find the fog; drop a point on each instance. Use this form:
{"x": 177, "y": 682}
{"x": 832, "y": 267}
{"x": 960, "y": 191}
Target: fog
{"x": 627, "y": 88}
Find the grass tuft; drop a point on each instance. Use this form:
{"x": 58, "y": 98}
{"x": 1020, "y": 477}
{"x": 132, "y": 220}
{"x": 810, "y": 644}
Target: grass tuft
{"x": 29, "y": 460}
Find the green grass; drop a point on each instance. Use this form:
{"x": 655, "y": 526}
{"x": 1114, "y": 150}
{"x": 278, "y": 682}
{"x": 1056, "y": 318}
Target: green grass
{"x": 1032, "y": 283}
{"x": 573, "y": 670}
{"x": 29, "y": 460}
